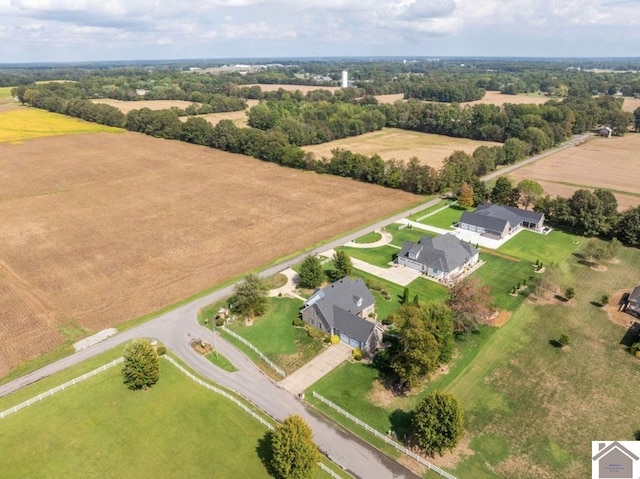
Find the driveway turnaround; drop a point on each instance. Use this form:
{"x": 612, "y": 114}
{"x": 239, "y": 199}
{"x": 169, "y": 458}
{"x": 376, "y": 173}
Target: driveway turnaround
{"x": 318, "y": 367}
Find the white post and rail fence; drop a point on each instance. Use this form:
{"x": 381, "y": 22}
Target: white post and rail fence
{"x": 255, "y": 350}
{"x": 383, "y": 437}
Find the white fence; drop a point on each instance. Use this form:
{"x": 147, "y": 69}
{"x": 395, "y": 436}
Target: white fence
{"x": 436, "y": 211}
{"x": 256, "y": 350}
{"x": 62, "y": 387}
{"x": 384, "y": 437}
{"x": 238, "y": 403}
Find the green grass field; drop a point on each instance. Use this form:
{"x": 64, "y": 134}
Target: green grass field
{"x": 445, "y": 218}
{"x": 27, "y": 123}
{"x": 5, "y": 92}
{"x": 369, "y": 238}
{"x": 552, "y": 248}
{"x": 175, "y": 429}
{"x": 275, "y": 336}
{"x": 220, "y": 361}
{"x": 381, "y": 256}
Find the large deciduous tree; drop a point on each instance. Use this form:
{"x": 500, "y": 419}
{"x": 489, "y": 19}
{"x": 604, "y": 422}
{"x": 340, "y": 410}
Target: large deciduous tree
{"x": 530, "y": 191}
{"x": 423, "y": 339}
{"x": 470, "y": 303}
{"x": 295, "y": 456}
{"x": 503, "y": 192}
{"x": 141, "y": 368}
{"x": 250, "y": 296}
{"x": 465, "y": 195}
{"x": 438, "y": 422}
{"x": 311, "y": 273}
{"x": 628, "y": 227}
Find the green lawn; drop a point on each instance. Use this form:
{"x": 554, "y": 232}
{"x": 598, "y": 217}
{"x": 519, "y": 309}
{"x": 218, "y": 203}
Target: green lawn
{"x": 501, "y": 275}
{"x": 369, "y": 238}
{"x": 275, "y": 336}
{"x": 426, "y": 211}
{"x": 446, "y": 218}
{"x": 552, "y": 248}
{"x": 380, "y": 256}
{"x": 405, "y": 234}
{"x": 220, "y": 361}
{"x": 175, "y": 429}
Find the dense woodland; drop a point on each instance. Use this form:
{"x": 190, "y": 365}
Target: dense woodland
{"x": 580, "y": 100}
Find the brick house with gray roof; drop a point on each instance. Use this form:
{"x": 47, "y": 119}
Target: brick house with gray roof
{"x": 444, "y": 257}
{"x": 497, "y": 221}
{"x": 342, "y": 309}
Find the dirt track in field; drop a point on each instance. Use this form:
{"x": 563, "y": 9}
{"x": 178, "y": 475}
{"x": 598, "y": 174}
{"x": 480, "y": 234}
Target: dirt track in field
{"x": 97, "y": 229}
{"x": 600, "y": 163}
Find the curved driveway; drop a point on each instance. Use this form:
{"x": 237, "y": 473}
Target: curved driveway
{"x": 175, "y": 327}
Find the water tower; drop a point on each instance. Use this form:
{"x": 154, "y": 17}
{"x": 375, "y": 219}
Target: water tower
{"x": 345, "y": 79}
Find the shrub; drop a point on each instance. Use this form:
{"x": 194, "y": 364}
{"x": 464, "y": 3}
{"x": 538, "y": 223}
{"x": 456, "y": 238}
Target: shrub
{"x": 569, "y": 293}
{"x": 220, "y": 322}
{"x": 335, "y": 339}
{"x": 635, "y": 349}
{"x": 357, "y": 354}
{"x": 637, "y": 355}
{"x": 564, "y": 340}
{"x": 298, "y": 322}
{"x": 161, "y": 351}
{"x": 605, "y": 299}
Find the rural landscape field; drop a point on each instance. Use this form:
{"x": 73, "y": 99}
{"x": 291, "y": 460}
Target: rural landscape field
{"x": 139, "y": 223}
{"x": 127, "y": 106}
{"x": 396, "y": 144}
{"x": 599, "y": 163}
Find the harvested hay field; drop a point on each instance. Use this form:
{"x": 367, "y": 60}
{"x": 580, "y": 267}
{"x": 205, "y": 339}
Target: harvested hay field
{"x": 599, "y": 163}
{"x": 301, "y": 88}
{"x": 497, "y": 98}
{"x": 18, "y": 124}
{"x": 630, "y": 104}
{"x": 393, "y": 143}
{"x": 94, "y": 231}
{"x": 126, "y": 106}
{"x": 5, "y": 92}
{"x": 239, "y": 118}
{"x": 390, "y": 98}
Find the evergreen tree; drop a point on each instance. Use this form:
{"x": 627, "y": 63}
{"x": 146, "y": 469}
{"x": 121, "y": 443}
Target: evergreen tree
{"x": 342, "y": 265}
{"x": 141, "y": 368}
{"x": 311, "y": 273}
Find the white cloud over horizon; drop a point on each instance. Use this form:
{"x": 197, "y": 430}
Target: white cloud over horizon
{"x": 84, "y": 30}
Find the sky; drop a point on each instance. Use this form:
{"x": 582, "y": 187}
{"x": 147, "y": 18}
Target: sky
{"x": 97, "y": 30}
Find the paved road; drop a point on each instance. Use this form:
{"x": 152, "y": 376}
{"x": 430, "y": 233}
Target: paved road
{"x": 174, "y": 328}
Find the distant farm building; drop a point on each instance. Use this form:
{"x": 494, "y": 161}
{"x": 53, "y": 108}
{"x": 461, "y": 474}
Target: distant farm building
{"x": 605, "y": 132}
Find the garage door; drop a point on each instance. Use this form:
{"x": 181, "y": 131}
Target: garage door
{"x": 354, "y": 343}
{"x": 344, "y": 338}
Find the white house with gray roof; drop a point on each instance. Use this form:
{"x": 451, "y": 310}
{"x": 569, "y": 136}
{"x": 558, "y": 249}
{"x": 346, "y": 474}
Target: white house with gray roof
{"x": 497, "y": 221}
{"x": 342, "y": 309}
{"x": 444, "y": 257}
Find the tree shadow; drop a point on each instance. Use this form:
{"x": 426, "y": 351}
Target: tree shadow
{"x": 584, "y": 260}
{"x": 560, "y": 298}
{"x": 555, "y": 343}
{"x": 636, "y": 435}
{"x": 597, "y": 304}
{"x": 631, "y": 336}
{"x": 264, "y": 450}
{"x": 401, "y": 424}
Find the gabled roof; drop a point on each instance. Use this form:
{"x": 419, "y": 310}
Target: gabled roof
{"x": 634, "y": 297}
{"x": 340, "y": 303}
{"x": 615, "y": 445}
{"x": 495, "y": 217}
{"x": 444, "y": 252}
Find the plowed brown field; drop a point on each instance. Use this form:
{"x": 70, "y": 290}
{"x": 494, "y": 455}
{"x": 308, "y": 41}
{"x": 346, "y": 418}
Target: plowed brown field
{"x": 599, "y": 163}
{"x": 97, "y": 229}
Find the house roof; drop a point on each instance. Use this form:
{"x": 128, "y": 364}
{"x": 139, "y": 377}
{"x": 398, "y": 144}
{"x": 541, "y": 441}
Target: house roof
{"x": 634, "y": 297}
{"x": 495, "y": 217}
{"x": 615, "y": 445}
{"x": 340, "y": 302}
{"x": 444, "y": 252}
